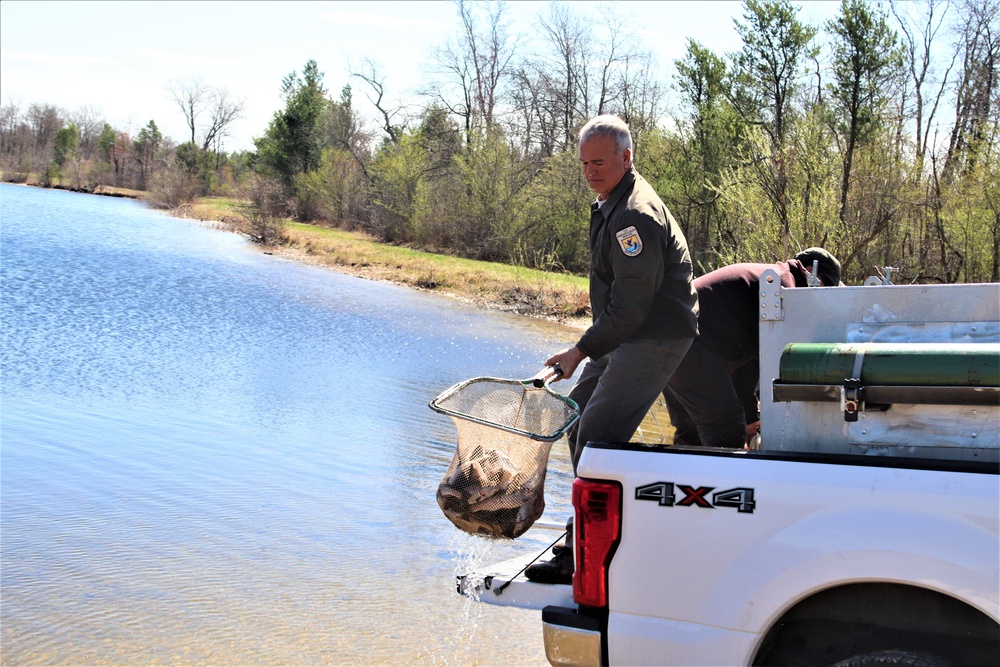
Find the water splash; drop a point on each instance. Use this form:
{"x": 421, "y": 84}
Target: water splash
{"x": 466, "y": 624}
{"x": 470, "y": 556}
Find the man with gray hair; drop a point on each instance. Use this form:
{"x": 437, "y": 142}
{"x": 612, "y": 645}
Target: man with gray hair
{"x": 644, "y": 306}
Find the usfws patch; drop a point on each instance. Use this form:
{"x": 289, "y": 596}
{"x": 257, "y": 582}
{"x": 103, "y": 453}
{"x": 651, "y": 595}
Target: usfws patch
{"x": 629, "y": 240}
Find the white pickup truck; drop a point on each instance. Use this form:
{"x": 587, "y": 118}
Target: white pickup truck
{"x": 865, "y": 530}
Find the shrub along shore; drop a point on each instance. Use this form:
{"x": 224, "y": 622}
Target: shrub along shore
{"x": 558, "y": 297}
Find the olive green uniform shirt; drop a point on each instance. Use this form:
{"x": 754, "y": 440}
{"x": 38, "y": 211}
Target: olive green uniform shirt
{"x": 640, "y": 271}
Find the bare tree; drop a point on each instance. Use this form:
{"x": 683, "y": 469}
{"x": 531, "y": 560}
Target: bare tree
{"x": 613, "y": 51}
{"x": 917, "y": 42}
{"x": 491, "y": 50}
{"x": 13, "y": 135}
{"x": 639, "y": 95}
{"x": 196, "y": 99}
{"x": 976, "y": 103}
{"x": 455, "y": 73}
{"x": 536, "y": 116}
{"x": 223, "y": 111}
{"x": 44, "y": 121}
{"x": 477, "y": 65}
{"x": 191, "y": 97}
{"x": 569, "y": 36}
{"x": 368, "y": 72}
{"x": 585, "y": 67}
{"x": 90, "y": 121}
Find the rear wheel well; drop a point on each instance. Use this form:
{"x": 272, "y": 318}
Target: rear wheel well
{"x": 854, "y": 619}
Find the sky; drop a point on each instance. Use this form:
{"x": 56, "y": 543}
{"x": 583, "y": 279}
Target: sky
{"x": 121, "y": 57}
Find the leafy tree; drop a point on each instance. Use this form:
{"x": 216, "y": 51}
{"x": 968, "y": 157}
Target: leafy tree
{"x": 493, "y": 178}
{"x": 766, "y": 76}
{"x": 711, "y": 138}
{"x": 293, "y": 142}
{"x": 197, "y": 164}
{"x": 333, "y": 192}
{"x": 553, "y": 231}
{"x": 767, "y": 70}
{"x": 261, "y": 210}
{"x": 144, "y": 151}
{"x": 65, "y": 149}
{"x": 813, "y": 182}
{"x": 865, "y": 60}
{"x": 397, "y": 174}
{"x": 67, "y": 144}
{"x": 755, "y": 164}
{"x": 343, "y": 128}
{"x": 115, "y": 148}
{"x": 441, "y": 138}
{"x": 414, "y": 184}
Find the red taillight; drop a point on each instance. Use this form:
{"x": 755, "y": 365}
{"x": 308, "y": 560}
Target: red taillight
{"x": 597, "y": 528}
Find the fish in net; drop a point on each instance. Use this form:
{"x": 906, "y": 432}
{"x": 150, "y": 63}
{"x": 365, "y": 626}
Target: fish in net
{"x": 494, "y": 486}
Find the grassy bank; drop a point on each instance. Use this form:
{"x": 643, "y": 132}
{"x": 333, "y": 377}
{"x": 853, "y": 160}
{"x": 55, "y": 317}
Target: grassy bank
{"x": 553, "y": 296}
{"x": 35, "y": 180}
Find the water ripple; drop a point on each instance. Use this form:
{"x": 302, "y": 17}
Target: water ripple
{"x": 212, "y": 456}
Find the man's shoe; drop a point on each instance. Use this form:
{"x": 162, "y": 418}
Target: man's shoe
{"x": 559, "y": 548}
{"x": 559, "y": 570}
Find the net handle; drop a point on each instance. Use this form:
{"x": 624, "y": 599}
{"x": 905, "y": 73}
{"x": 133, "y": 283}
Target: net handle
{"x": 546, "y": 376}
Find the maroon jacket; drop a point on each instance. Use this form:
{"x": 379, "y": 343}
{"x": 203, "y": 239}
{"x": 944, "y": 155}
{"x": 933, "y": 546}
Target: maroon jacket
{"x": 729, "y": 321}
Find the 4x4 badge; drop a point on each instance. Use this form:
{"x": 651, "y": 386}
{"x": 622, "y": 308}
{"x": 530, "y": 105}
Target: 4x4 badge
{"x": 663, "y": 493}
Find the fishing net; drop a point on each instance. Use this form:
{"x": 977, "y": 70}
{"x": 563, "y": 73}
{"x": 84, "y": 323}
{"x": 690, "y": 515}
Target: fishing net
{"x": 495, "y": 484}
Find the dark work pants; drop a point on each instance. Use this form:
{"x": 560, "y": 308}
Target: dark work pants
{"x": 702, "y": 401}
{"x": 616, "y": 391}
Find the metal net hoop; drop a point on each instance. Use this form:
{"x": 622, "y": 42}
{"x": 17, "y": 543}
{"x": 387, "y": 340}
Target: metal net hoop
{"x": 516, "y": 406}
{"x": 495, "y": 484}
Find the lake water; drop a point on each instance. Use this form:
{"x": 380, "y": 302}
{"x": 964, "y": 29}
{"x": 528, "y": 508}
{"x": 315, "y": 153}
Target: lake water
{"x": 215, "y": 456}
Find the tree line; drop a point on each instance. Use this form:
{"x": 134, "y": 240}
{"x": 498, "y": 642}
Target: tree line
{"x": 80, "y": 150}
{"x": 873, "y": 135}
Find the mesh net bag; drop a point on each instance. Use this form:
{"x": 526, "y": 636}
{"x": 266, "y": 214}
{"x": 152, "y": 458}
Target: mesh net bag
{"x": 495, "y": 484}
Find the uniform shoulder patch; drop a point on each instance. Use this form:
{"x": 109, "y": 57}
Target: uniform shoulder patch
{"x": 629, "y": 240}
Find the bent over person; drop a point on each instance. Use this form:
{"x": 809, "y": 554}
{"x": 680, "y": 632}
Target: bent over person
{"x": 711, "y": 397}
{"x": 644, "y": 306}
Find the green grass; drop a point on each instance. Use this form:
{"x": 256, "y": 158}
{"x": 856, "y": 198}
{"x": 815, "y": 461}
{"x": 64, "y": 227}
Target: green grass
{"x": 489, "y": 284}
{"x": 556, "y": 296}
{"x": 223, "y": 209}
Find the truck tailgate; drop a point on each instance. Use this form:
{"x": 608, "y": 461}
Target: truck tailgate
{"x": 504, "y": 584}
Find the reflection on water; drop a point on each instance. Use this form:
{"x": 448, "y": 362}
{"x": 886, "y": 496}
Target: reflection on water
{"x": 213, "y": 456}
